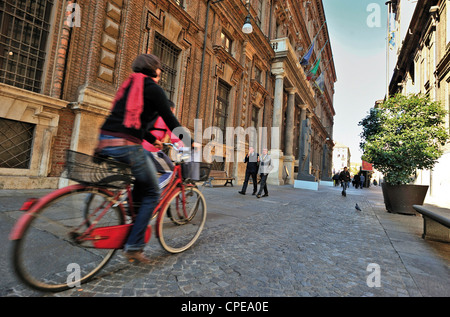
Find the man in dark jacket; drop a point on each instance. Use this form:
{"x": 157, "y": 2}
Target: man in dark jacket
{"x": 252, "y": 160}
{"x": 345, "y": 178}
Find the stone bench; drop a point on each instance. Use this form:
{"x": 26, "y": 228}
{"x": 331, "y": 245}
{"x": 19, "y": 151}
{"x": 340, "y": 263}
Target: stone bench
{"x": 215, "y": 175}
{"x": 436, "y": 222}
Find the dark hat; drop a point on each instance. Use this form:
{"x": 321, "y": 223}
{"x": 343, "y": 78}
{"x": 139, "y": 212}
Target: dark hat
{"x": 146, "y": 64}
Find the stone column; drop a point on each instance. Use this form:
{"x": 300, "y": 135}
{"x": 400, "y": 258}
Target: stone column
{"x": 326, "y": 179}
{"x": 275, "y": 177}
{"x": 303, "y": 110}
{"x": 278, "y": 104}
{"x": 289, "y": 158}
{"x": 290, "y": 114}
{"x": 314, "y": 157}
{"x": 304, "y": 179}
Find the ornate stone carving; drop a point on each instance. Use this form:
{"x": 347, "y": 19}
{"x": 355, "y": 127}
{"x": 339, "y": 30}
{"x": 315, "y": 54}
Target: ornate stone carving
{"x": 111, "y": 33}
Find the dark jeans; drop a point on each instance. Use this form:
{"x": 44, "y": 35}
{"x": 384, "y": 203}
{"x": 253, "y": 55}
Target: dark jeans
{"x": 263, "y": 184}
{"x": 344, "y": 185}
{"x": 247, "y": 177}
{"x": 145, "y": 190}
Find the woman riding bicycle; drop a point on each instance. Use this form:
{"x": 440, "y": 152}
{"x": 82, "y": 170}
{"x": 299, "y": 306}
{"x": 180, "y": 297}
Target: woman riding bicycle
{"x": 139, "y": 100}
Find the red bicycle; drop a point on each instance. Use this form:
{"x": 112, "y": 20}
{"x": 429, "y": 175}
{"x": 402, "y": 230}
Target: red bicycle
{"x": 69, "y": 235}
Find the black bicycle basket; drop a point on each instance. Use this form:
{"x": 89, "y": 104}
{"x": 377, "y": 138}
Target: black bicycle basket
{"x": 96, "y": 171}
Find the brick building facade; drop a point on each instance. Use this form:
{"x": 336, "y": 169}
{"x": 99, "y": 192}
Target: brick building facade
{"x": 61, "y": 63}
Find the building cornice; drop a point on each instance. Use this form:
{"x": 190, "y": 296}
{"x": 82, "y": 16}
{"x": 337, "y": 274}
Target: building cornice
{"x": 411, "y": 43}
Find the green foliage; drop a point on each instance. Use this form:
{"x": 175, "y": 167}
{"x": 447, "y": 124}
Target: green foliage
{"x": 403, "y": 134}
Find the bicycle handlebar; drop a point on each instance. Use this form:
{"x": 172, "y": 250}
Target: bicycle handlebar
{"x": 180, "y": 157}
{"x": 173, "y": 145}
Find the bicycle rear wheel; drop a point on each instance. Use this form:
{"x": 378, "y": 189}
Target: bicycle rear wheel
{"x": 179, "y": 225}
{"x": 51, "y": 254}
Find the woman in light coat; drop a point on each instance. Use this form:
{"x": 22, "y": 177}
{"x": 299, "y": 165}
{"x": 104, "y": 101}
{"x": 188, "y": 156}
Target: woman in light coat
{"x": 265, "y": 167}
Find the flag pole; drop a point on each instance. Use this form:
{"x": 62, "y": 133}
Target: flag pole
{"x": 320, "y": 52}
{"x": 314, "y": 38}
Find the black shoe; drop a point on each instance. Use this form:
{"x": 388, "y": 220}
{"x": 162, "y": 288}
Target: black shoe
{"x": 254, "y": 193}
{"x": 265, "y": 195}
{"x": 241, "y": 192}
{"x": 258, "y": 196}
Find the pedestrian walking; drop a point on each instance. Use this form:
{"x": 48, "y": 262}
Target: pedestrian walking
{"x": 356, "y": 181}
{"x": 344, "y": 178}
{"x": 252, "y": 160}
{"x": 336, "y": 179}
{"x": 265, "y": 167}
{"x": 362, "y": 178}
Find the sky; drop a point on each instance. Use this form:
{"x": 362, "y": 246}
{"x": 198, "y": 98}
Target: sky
{"x": 357, "y": 30}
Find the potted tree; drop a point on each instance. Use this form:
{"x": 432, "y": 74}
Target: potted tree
{"x": 400, "y": 136}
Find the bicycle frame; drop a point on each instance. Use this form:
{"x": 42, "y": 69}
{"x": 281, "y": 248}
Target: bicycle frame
{"x": 92, "y": 233}
{"x": 87, "y": 223}
{"x": 31, "y": 209}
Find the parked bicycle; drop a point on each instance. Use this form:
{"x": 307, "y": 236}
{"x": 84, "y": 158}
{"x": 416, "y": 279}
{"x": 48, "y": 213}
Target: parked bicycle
{"x": 69, "y": 235}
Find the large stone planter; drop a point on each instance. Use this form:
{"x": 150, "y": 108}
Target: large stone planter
{"x": 400, "y": 198}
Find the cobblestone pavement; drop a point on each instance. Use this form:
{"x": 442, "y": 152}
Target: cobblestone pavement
{"x": 293, "y": 243}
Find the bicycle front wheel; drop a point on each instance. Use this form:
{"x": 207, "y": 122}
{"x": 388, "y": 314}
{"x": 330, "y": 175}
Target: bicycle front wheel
{"x": 54, "y": 253}
{"x": 182, "y": 220}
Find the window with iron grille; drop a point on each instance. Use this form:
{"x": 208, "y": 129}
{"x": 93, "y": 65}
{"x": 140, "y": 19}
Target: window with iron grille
{"x": 168, "y": 54}
{"x": 218, "y": 164}
{"x": 221, "y": 112}
{"x": 24, "y": 29}
{"x": 16, "y": 139}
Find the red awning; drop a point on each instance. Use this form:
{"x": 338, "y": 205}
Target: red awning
{"x": 366, "y": 166}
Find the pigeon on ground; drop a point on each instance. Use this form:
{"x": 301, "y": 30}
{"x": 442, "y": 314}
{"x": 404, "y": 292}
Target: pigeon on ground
{"x": 357, "y": 207}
